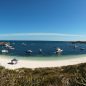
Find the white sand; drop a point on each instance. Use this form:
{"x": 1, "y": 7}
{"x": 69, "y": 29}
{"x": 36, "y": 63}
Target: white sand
{"x": 40, "y": 64}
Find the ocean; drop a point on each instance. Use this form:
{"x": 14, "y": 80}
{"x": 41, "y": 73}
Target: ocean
{"x": 44, "y": 49}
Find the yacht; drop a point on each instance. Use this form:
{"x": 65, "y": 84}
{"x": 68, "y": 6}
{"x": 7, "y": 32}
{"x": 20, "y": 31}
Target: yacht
{"x": 9, "y": 46}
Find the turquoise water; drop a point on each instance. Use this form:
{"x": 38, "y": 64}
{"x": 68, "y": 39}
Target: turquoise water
{"x": 45, "y": 58}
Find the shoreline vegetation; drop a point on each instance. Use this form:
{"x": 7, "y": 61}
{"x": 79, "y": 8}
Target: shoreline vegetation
{"x": 71, "y": 72}
{"x": 72, "y": 75}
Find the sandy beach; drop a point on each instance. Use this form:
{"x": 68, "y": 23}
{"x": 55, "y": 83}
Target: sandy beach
{"x": 39, "y": 64}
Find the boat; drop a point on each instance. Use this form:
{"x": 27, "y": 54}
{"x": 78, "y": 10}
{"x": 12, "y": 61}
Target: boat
{"x": 4, "y": 51}
{"x": 9, "y": 46}
{"x": 82, "y": 48}
{"x": 40, "y": 51}
{"x": 75, "y": 46}
{"x": 12, "y": 48}
{"x": 58, "y": 50}
{"x": 23, "y": 44}
{"x": 13, "y": 61}
{"x": 29, "y": 51}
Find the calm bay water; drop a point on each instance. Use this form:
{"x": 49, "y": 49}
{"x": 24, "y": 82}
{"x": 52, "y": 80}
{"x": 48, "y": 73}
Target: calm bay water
{"x": 48, "y": 49}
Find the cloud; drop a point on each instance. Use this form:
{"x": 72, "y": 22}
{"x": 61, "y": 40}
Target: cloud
{"x": 41, "y": 34}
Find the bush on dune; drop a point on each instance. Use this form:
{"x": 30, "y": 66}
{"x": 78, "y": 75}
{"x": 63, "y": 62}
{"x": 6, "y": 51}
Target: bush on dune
{"x": 73, "y": 75}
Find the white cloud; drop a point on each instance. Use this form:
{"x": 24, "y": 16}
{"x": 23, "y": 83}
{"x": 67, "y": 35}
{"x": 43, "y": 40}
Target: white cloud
{"x": 41, "y": 34}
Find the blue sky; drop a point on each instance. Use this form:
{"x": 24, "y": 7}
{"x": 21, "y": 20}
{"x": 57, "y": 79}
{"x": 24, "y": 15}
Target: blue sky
{"x": 43, "y": 16}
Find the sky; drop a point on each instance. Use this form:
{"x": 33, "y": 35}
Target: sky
{"x": 43, "y": 19}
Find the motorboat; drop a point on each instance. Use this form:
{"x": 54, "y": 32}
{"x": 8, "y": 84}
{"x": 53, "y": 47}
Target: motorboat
{"x": 82, "y": 48}
{"x": 40, "y": 51}
{"x": 23, "y": 44}
{"x": 4, "y": 51}
{"x": 58, "y": 50}
{"x": 29, "y": 51}
{"x": 75, "y": 46}
{"x": 12, "y": 48}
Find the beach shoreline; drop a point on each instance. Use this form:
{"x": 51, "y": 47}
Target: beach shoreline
{"x": 40, "y": 64}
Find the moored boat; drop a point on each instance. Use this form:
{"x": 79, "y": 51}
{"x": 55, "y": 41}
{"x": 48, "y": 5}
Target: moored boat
{"x": 4, "y": 51}
{"x": 82, "y": 48}
{"x": 58, "y": 50}
{"x": 29, "y": 51}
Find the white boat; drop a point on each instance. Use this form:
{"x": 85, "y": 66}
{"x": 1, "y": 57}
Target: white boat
{"x": 75, "y": 46}
{"x": 12, "y": 48}
{"x": 40, "y": 50}
{"x": 23, "y": 44}
{"x": 8, "y": 46}
{"x": 29, "y": 51}
{"x": 58, "y": 50}
{"x": 4, "y": 51}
